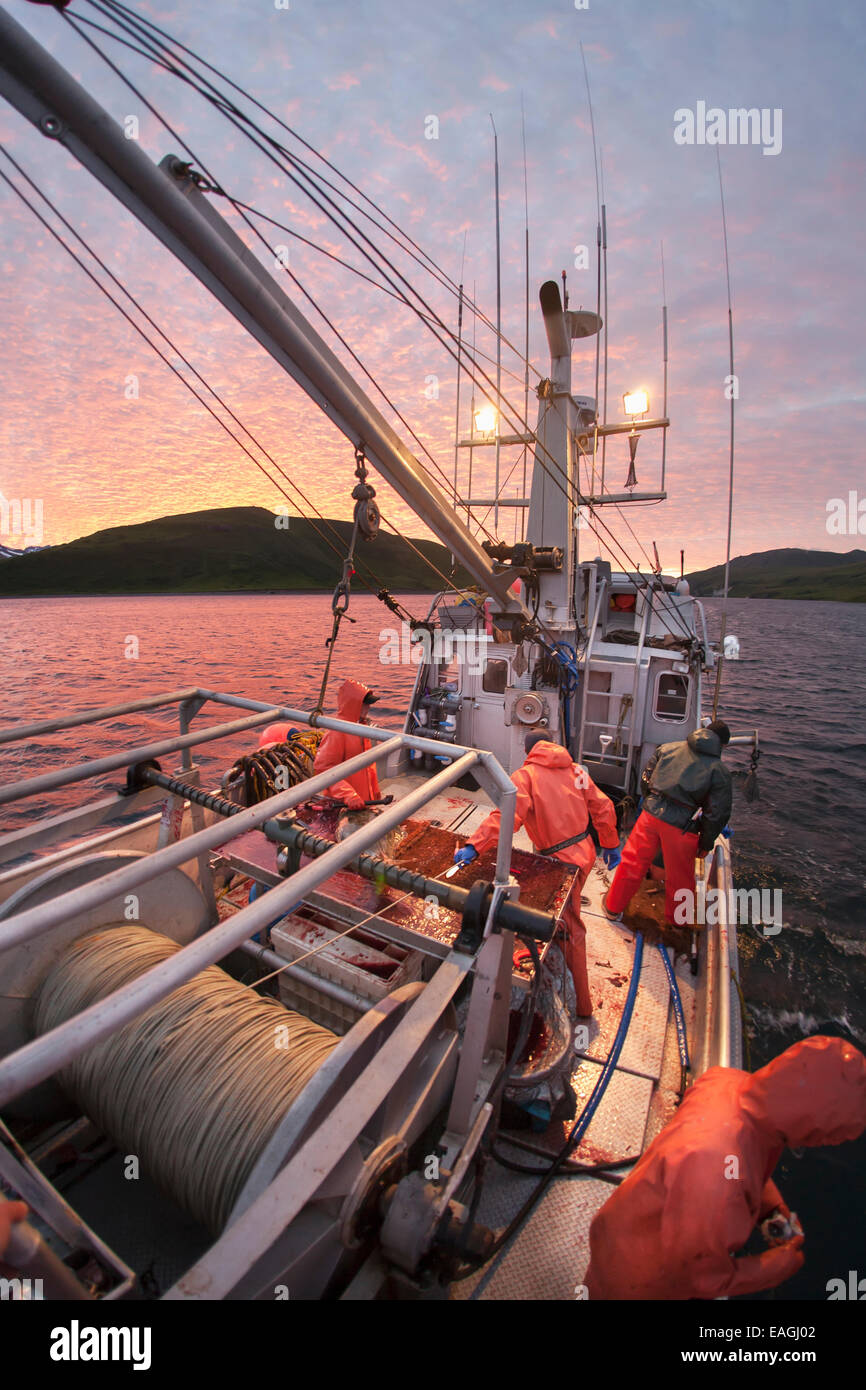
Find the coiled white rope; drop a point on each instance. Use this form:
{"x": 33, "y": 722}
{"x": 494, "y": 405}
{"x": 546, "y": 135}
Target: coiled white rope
{"x": 196, "y": 1086}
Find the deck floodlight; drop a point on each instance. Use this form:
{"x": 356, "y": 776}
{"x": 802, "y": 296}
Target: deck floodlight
{"x": 485, "y": 419}
{"x": 636, "y": 403}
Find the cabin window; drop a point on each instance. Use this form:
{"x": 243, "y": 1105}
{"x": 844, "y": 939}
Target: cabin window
{"x": 623, "y": 603}
{"x": 672, "y": 697}
{"x": 495, "y": 677}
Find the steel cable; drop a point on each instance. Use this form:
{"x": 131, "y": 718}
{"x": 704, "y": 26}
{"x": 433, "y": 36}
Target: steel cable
{"x": 197, "y": 1085}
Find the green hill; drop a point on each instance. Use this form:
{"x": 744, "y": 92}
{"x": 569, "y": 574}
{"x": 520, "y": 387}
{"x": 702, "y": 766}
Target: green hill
{"x": 812, "y": 574}
{"x": 233, "y": 548}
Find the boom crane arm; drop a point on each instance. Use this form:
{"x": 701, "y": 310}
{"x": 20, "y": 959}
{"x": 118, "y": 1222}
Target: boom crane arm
{"x": 166, "y": 199}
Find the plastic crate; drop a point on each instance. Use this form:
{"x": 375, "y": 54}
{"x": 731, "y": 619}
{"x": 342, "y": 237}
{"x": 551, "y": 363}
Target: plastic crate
{"x": 362, "y": 962}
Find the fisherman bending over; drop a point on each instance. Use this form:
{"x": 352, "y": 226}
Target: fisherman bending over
{"x": 686, "y": 804}
{"x": 674, "y": 1228}
{"x": 556, "y": 799}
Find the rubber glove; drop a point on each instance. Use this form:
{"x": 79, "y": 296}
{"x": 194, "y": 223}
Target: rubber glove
{"x": 465, "y": 855}
{"x": 354, "y": 803}
{"x": 611, "y": 857}
{"x": 727, "y": 832}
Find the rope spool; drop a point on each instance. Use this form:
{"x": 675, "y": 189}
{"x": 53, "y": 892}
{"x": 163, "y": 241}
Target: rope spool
{"x": 196, "y": 1086}
{"x": 263, "y": 773}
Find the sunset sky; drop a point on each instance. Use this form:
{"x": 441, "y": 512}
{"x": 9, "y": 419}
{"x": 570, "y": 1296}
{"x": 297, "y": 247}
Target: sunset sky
{"x": 360, "y": 82}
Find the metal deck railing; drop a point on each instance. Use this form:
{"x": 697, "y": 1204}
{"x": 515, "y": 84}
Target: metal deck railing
{"x": 39, "y": 1059}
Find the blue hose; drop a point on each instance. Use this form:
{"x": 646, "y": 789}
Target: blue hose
{"x": 679, "y": 1016}
{"x": 581, "y": 1124}
{"x": 566, "y": 655}
{"x": 579, "y": 1127}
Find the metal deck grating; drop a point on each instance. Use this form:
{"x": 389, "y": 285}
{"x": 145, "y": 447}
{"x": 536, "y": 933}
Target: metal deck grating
{"x": 618, "y": 1125}
{"x": 535, "y": 1266}
{"x": 610, "y": 954}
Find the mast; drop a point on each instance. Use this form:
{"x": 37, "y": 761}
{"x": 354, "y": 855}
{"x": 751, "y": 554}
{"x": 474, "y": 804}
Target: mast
{"x": 526, "y": 344}
{"x": 167, "y": 200}
{"x": 498, "y": 322}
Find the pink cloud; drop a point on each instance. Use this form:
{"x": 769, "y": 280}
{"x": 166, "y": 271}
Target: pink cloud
{"x": 343, "y": 82}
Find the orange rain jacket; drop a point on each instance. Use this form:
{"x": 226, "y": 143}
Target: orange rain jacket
{"x": 555, "y": 800}
{"x": 673, "y": 1228}
{"x": 336, "y": 747}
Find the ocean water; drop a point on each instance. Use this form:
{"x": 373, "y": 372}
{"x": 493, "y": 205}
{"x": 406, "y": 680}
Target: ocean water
{"x": 801, "y": 682}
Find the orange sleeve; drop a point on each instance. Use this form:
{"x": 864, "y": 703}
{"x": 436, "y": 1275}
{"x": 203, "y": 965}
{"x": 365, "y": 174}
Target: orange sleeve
{"x": 765, "y": 1271}
{"x": 487, "y": 834}
{"x": 331, "y": 752}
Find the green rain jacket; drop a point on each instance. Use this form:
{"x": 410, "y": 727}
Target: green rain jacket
{"x": 687, "y": 777}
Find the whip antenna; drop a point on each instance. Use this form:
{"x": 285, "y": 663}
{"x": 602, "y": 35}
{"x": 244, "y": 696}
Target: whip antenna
{"x": 526, "y": 349}
{"x": 732, "y": 395}
{"x": 498, "y": 319}
{"x": 459, "y": 364}
{"x": 665, "y": 354}
{"x": 598, "y": 240}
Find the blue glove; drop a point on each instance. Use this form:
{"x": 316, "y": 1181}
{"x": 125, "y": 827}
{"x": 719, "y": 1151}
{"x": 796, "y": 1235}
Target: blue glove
{"x": 466, "y": 855}
{"x": 727, "y": 832}
{"x": 611, "y": 857}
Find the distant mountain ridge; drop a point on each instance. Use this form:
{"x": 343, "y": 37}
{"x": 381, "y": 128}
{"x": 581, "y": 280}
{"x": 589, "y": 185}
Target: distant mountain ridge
{"x": 790, "y": 573}
{"x": 243, "y": 549}
{"x": 230, "y": 548}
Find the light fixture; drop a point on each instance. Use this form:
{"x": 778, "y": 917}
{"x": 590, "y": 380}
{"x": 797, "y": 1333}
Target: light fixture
{"x": 485, "y": 419}
{"x": 636, "y": 403}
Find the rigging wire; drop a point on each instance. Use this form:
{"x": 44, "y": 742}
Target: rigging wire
{"x": 432, "y": 266}
{"x": 217, "y": 188}
{"x": 598, "y": 263}
{"x": 89, "y": 249}
{"x": 220, "y": 105}
{"x": 296, "y": 281}
{"x": 230, "y": 113}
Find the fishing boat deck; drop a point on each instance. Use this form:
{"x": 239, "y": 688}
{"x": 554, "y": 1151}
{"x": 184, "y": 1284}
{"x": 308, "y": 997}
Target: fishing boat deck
{"x": 548, "y": 1257}
{"x": 639, "y": 1100}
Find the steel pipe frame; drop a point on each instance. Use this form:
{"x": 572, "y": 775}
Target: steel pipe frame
{"x": 47, "y": 1054}
{"x": 81, "y": 772}
{"x": 93, "y": 716}
{"x": 26, "y": 925}
{"x": 498, "y": 783}
{"x": 500, "y": 786}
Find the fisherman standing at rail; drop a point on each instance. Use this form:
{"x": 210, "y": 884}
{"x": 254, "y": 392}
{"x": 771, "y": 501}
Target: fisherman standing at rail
{"x": 687, "y": 802}
{"x": 556, "y": 799}
{"x": 353, "y": 705}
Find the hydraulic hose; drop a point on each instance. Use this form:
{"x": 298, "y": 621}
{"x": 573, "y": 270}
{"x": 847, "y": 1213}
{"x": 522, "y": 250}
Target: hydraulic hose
{"x": 679, "y": 1018}
{"x": 580, "y": 1125}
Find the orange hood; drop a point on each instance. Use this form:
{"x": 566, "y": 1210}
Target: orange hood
{"x": 814, "y": 1093}
{"x": 350, "y": 699}
{"x": 546, "y": 754}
